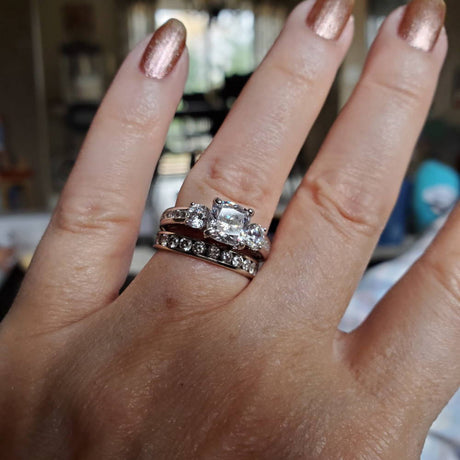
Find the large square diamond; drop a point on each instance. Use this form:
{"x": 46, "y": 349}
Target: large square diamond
{"x": 228, "y": 222}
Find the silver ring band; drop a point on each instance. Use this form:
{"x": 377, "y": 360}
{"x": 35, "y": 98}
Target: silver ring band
{"x": 226, "y": 223}
{"x": 207, "y": 251}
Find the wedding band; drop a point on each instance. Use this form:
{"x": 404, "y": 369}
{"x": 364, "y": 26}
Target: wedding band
{"x": 226, "y": 222}
{"x": 229, "y": 259}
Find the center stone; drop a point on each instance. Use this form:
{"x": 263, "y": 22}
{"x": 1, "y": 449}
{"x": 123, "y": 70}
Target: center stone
{"x": 228, "y": 222}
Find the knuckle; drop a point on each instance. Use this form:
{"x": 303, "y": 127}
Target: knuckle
{"x": 407, "y": 93}
{"x": 138, "y": 118}
{"x": 236, "y": 180}
{"x": 445, "y": 271}
{"x": 348, "y": 207}
{"x": 83, "y": 215}
{"x": 298, "y": 76}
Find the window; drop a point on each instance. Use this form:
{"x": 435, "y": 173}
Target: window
{"x": 220, "y": 46}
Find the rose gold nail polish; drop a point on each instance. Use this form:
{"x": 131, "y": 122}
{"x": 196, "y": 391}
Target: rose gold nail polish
{"x": 422, "y": 22}
{"x": 328, "y": 18}
{"x": 164, "y": 50}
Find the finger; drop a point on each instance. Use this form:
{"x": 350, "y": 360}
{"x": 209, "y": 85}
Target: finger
{"x": 254, "y": 150}
{"x": 409, "y": 345}
{"x": 333, "y": 223}
{"x": 85, "y": 254}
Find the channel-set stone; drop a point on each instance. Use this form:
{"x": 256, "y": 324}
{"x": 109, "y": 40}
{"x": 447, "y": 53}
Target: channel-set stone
{"x": 226, "y": 256}
{"x": 228, "y": 222}
{"x": 185, "y": 244}
{"x": 174, "y": 241}
{"x": 246, "y": 264}
{"x": 197, "y": 216}
{"x": 237, "y": 261}
{"x": 213, "y": 252}
{"x": 199, "y": 247}
{"x": 163, "y": 240}
{"x": 180, "y": 214}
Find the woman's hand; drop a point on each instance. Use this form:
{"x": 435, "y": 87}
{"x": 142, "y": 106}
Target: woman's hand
{"x": 194, "y": 361}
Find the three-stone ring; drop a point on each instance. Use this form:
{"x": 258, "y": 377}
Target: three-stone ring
{"x": 226, "y": 222}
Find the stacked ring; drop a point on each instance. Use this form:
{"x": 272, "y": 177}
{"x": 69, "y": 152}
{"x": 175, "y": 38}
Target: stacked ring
{"x": 227, "y": 223}
{"x": 222, "y": 235}
{"x": 208, "y": 251}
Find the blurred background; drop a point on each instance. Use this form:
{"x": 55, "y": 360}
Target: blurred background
{"x": 59, "y": 56}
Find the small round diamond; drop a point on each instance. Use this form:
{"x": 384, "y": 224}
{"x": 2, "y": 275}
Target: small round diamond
{"x": 213, "y": 252}
{"x": 253, "y": 268}
{"x": 185, "y": 244}
{"x": 163, "y": 240}
{"x": 237, "y": 261}
{"x": 246, "y": 264}
{"x": 197, "y": 216}
{"x": 199, "y": 247}
{"x": 173, "y": 241}
{"x": 179, "y": 214}
{"x": 226, "y": 256}
{"x": 255, "y": 237}
{"x": 169, "y": 214}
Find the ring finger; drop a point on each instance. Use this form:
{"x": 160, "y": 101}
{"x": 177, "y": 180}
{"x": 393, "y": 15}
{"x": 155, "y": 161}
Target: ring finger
{"x": 254, "y": 150}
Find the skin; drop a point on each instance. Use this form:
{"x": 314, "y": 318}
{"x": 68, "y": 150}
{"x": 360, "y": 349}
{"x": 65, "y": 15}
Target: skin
{"x": 193, "y": 361}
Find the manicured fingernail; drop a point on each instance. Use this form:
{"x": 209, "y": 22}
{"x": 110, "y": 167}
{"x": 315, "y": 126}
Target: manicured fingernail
{"x": 422, "y": 22}
{"x": 164, "y": 50}
{"x": 328, "y": 18}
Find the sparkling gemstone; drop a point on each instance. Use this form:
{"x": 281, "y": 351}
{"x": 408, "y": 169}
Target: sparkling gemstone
{"x": 169, "y": 214}
{"x": 246, "y": 264}
{"x": 185, "y": 244}
{"x": 237, "y": 261}
{"x": 228, "y": 222}
{"x": 179, "y": 214}
{"x": 253, "y": 268}
{"x": 173, "y": 241}
{"x": 197, "y": 216}
{"x": 163, "y": 240}
{"x": 254, "y": 237}
{"x": 199, "y": 247}
{"x": 226, "y": 256}
{"x": 213, "y": 252}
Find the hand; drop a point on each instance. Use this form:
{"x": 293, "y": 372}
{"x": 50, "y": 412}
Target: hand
{"x": 195, "y": 361}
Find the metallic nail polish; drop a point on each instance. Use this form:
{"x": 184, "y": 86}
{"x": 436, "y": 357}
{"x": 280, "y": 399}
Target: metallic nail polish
{"x": 328, "y": 18}
{"x": 164, "y": 50}
{"x": 422, "y": 23}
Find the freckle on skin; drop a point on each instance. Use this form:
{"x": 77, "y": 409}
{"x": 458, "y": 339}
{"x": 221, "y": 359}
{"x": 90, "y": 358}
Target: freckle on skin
{"x": 169, "y": 302}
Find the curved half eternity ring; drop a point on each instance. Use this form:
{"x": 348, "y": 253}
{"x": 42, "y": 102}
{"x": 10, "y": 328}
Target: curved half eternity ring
{"x": 232, "y": 260}
{"x": 226, "y": 222}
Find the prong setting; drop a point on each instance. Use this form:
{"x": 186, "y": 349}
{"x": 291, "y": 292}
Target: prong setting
{"x": 208, "y": 233}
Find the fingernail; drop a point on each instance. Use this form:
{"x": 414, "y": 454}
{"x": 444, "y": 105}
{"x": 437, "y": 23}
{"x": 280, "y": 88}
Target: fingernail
{"x": 422, "y": 22}
{"x": 328, "y": 18}
{"x": 164, "y": 50}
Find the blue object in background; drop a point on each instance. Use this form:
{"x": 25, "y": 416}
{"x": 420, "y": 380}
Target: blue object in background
{"x": 395, "y": 230}
{"x": 436, "y": 189}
